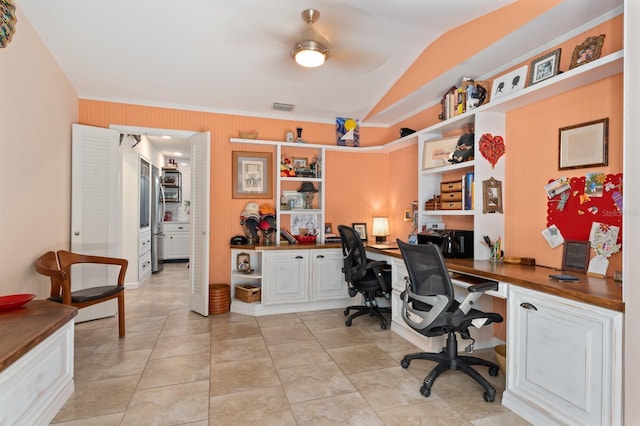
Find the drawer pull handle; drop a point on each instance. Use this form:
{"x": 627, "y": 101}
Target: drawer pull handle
{"x": 320, "y": 256}
{"x": 528, "y": 305}
{"x": 299, "y": 257}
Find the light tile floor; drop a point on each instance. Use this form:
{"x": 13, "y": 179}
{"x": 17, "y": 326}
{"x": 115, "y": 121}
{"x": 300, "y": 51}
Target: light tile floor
{"x": 175, "y": 367}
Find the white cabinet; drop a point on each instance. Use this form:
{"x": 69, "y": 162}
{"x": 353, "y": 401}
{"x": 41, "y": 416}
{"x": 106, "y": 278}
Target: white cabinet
{"x": 286, "y": 277}
{"x": 292, "y": 280}
{"x": 177, "y": 240}
{"x": 144, "y": 254}
{"x": 563, "y": 361}
{"x": 327, "y": 279}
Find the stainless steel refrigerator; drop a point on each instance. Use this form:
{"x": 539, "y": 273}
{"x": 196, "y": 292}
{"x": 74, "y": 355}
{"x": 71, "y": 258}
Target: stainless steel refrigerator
{"x": 157, "y": 215}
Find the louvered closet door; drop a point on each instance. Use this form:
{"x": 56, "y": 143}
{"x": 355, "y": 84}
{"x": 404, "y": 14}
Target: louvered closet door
{"x": 95, "y": 209}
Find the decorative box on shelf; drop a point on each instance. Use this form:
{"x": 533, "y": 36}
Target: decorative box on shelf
{"x": 451, "y": 195}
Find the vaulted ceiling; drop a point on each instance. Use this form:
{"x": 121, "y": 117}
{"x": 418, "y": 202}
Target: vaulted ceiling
{"x": 233, "y": 56}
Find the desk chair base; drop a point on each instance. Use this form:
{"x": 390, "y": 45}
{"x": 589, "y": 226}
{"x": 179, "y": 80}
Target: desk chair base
{"x": 364, "y": 310}
{"x": 449, "y": 359}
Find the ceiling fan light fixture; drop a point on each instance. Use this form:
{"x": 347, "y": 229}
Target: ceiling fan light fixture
{"x": 309, "y": 53}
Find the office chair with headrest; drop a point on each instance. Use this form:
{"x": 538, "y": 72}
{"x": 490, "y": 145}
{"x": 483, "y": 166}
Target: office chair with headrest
{"x": 370, "y": 278}
{"x": 429, "y": 307}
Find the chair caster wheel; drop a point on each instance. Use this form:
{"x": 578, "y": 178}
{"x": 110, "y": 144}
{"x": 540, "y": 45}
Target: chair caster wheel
{"x": 493, "y": 371}
{"x": 488, "y": 397}
{"x": 348, "y": 323}
{"x": 425, "y": 391}
{"x": 404, "y": 364}
{"x": 346, "y": 312}
{"x": 383, "y": 326}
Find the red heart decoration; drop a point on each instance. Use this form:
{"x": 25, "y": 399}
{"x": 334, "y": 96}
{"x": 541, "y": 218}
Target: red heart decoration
{"x": 492, "y": 148}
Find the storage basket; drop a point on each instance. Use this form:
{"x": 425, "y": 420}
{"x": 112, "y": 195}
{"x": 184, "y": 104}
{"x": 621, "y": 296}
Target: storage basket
{"x": 219, "y": 298}
{"x": 248, "y": 293}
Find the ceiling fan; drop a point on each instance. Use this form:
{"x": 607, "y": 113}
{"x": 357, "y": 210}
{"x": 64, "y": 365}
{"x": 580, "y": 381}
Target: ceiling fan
{"x": 310, "y": 52}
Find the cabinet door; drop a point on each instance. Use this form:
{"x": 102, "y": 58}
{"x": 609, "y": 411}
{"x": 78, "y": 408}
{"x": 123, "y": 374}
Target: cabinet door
{"x": 327, "y": 279}
{"x": 177, "y": 245}
{"x": 563, "y": 357}
{"x": 286, "y": 277}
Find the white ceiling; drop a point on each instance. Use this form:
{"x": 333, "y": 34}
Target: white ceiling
{"x": 233, "y": 56}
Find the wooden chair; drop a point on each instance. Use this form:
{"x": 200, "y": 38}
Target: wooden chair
{"x": 58, "y": 269}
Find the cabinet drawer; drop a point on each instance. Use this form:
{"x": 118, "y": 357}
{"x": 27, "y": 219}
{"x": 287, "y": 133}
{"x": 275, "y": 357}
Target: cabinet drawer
{"x": 144, "y": 265}
{"x": 451, "y": 186}
{"x": 451, "y": 196}
{"x": 176, "y": 227}
{"x": 451, "y": 205}
{"x": 144, "y": 242}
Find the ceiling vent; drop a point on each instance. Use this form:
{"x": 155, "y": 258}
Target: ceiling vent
{"x": 279, "y": 106}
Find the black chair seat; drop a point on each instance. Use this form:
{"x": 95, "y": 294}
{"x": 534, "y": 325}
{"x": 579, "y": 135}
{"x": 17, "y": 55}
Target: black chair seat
{"x": 94, "y": 293}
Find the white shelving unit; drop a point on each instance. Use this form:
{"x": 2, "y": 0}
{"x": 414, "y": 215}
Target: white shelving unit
{"x": 491, "y": 118}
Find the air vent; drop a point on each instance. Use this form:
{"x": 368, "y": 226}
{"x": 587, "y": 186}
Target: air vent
{"x": 278, "y": 106}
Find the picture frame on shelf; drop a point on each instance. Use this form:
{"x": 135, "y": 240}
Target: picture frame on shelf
{"x": 243, "y": 262}
{"x": 252, "y": 176}
{"x": 296, "y": 196}
{"x": 575, "y": 255}
{"x": 408, "y": 215}
{"x": 544, "y": 67}
{"x": 510, "y": 83}
{"x": 587, "y": 51}
{"x": 328, "y": 228}
{"x": 584, "y": 145}
{"x": 300, "y": 162}
{"x": 492, "y": 196}
{"x": 437, "y": 153}
{"x": 307, "y": 222}
{"x": 361, "y": 229}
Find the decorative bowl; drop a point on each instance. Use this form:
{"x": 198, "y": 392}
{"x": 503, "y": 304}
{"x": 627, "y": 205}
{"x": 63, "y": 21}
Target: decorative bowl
{"x": 305, "y": 239}
{"x": 248, "y": 135}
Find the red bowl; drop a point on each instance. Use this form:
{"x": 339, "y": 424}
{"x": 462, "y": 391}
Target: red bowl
{"x": 305, "y": 239}
{"x": 14, "y": 301}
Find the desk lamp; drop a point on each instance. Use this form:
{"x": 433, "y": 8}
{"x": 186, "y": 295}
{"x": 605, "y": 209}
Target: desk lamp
{"x": 380, "y": 228}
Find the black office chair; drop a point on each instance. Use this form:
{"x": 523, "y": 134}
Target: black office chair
{"x": 429, "y": 307}
{"x": 370, "y": 278}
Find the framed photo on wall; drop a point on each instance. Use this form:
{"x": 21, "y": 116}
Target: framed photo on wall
{"x": 437, "y": 153}
{"x": 361, "y": 229}
{"x": 584, "y": 145}
{"x": 252, "y": 174}
{"x": 492, "y": 196}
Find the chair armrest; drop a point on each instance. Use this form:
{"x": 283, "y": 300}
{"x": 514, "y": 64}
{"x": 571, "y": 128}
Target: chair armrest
{"x": 378, "y": 268}
{"x": 483, "y": 287}
{"x": 376, "y": 264}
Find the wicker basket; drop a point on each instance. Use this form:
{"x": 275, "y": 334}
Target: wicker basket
{"x": 248, "y": 293}
{"x": 219, "y": 298}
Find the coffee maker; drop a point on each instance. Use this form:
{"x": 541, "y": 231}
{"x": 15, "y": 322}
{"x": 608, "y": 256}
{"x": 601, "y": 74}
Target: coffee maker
{"x": 453, "y": 243}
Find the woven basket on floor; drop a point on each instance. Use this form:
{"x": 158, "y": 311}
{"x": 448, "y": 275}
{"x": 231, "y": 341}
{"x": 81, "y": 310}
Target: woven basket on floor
{"x": 219, "y": 298}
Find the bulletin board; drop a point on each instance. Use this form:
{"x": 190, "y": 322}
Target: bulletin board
{"x": 584, "y": 204}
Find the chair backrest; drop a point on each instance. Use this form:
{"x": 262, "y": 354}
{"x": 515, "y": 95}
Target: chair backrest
{"x": 354, "y": 255}
{"x": 430, "y": 285}
{"x": 67, "y": 259}
{"x": 47, "y": 265}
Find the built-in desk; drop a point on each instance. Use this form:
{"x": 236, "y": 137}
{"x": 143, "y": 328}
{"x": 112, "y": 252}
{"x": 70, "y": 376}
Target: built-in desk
{"x": 36, "y": 362}
{"x": 564, "y": 340}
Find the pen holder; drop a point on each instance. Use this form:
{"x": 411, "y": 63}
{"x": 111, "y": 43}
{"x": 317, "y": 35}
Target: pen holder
{"x": 496, "y": 254}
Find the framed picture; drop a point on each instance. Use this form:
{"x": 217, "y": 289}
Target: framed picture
{"x": 296, "y": 196}
{"x": 243, "y": 262}
{"x": 575, "y": 255}
{"x": 328, "y": 229}
{"x": 544, "y": 67}
{"x": 588, "y": 51}
{"x": 302, "y": 224}
{"x": 252, "y": 175}
{"x": 361, "y": 229}
{"x": 437, "y": 153}
{"x": 408, "y": 216}
{"x": 300, "y": 162}
{"x": 492, "y": 196}
{"x": 584, "y": 145}
{"x": 500, "y": 86}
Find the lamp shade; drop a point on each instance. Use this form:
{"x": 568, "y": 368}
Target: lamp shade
{"x": 380, "y": 228}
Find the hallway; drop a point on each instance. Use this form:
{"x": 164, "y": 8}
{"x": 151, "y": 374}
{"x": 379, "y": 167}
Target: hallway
{"x": 175, "y": 367}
